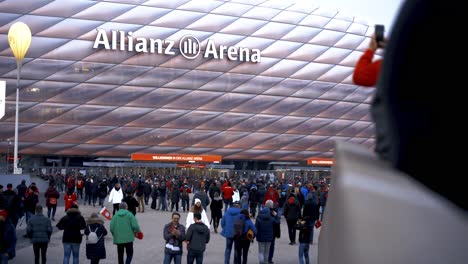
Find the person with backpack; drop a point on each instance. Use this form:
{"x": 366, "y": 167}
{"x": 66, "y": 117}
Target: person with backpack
{"x": 227, "y": 223}
{"x": 95, "y": 233}
{"x": 51, "y": 196}
{"x": 249, "y": 231}
{"x": 39, "y": 231}
{"x": 198, "y": 235}
{"x": 72, "y": 224}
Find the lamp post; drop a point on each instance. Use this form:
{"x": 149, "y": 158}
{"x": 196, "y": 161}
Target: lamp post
{"x": 19, "y": 38}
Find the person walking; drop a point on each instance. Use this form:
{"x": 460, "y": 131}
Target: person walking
{"x": 140, "y": 194}
{"x": 292, "y": 213}
{"x": 216, "y": 207}
{"x": 227, "y": 223}
{"x": 115, "y": 197}
{"x": 32, "y": 199}
{"x": 304, "y": 240}
{"x": 174, "y": 234}
{"x": 72, "y": 224}
{"x": 51, "y": 196}
{"x": 70, "y": 199}
{"x": 243, "y": 242}
{"x": 264, "y": 224}
{"x": 39, "y": 230}
{"x": 123, "y": 227}
{"x": 131, "y": 202}
{"x": 198, "y": 235}
{"x": 12, "y": 204}
{"x": 197, "y": 208}
{"x": 102, "y": 192}
{"x": 95, "y": 250}
{"x": 7, "y": 238}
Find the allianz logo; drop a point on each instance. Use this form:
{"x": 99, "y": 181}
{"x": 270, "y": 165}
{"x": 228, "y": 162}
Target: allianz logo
{"x": 189, "y": 46}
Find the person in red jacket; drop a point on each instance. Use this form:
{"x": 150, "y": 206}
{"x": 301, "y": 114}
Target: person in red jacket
{"x": 271, "y": 194}
{"x": 70, "y": 198}
{"x": 367, "y": 71}
{"x": 51, "y": 196}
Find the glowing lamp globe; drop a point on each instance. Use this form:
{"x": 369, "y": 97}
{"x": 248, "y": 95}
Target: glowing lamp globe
{"x": 19, "y": 38}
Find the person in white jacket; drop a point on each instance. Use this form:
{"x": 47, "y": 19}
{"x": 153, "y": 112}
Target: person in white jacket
{"x": 197, "y": 208}
{"x": 115, "y": 197}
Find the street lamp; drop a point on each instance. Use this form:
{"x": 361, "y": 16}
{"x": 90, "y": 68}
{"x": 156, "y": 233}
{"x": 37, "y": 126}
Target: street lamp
{"x": 19, "y": 38}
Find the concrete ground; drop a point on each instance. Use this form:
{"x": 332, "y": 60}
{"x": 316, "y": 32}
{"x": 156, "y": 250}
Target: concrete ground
{"x": 151, "y": 248}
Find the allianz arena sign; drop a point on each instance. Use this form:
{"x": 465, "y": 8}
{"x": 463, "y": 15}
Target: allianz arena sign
{"x": 189, "y": 46}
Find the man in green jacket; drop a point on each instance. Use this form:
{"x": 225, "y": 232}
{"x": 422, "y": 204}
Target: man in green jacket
{"x": 123, "y": 227}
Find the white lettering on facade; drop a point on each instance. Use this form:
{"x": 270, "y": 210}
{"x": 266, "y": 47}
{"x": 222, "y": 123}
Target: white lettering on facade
{"x": 189, "y": 46}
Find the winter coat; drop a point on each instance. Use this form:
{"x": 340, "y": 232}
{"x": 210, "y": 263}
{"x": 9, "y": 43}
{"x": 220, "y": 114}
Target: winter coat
{"x": 264, "y": 225}
{"x": 123, "y": 227}
{"x": 198, "y": 235}
{"x": 304, "y": 232}
{"x": 227, "y": 222}
{"x": 191, "y": 221}
{"x": 51, "y": 193}
{"x": 292, "y": 211}
{"x": 213, "y": 189}
{"x": 39, "y": 229}
{"x": 132, "y": 203}
{"x": 174, "y": 243}
{"x": 116, "y": 196}
{"x": 216, "y": 207}
{"x": 311, "y": 211}
{"x": 69, "y": 200}
{"x": 98, "y": 250}
{"x": 72, "y": 224}
{"x": 7, "y": 238}
{"x": 175, "y": 194}
{"x": 271, "y": 194}
{"x": 30, "y": 202}
{"x": 102, "y": 190}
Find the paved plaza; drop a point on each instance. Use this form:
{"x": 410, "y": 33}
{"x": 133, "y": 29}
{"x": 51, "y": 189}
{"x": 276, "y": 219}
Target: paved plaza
{"x": 151, "y": 248}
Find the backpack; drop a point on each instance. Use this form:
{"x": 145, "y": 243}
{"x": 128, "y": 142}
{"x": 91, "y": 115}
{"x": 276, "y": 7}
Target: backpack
{"x": 92, "y": 237}
{"x": 238, "y": 228}
{"x": 250, "y": 235}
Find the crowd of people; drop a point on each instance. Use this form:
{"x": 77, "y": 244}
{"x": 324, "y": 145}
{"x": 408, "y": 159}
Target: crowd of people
{"x": 244, "y": 209}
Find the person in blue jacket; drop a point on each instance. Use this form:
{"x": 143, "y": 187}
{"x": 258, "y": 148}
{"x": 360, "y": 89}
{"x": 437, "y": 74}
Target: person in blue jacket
{"x": 243, "y": 243}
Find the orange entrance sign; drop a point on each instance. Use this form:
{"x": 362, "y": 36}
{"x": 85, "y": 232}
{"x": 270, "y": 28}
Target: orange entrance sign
{"x": 175, "y": 158}
{"x": 320, "y": 162}
{"x": 192, "y": 166}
